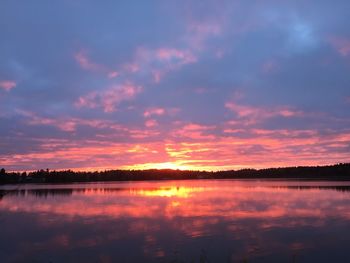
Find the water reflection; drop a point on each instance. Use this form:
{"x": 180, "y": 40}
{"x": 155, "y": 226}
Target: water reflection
{"x": 176, "y": 221}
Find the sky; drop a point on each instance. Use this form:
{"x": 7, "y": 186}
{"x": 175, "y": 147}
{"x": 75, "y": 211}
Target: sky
{"x": 201, "y": 85}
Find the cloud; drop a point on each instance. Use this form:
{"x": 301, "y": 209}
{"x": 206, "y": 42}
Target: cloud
{"x": 7, "y": 85}
{"x": 176, "y": 56}
{"x": 85, "y": 62}
{"x": 301, "y": 36}
{"x": 253, "y": 114}
{"x": 113, "y": 74}
{"x": 200, "y": 32}
{"x": 270, "y": 66}
{"x": 151, "y": 123}
{"x": 67, "y": 124}
{"x": 131, "y": 67}
{"x": 110, "y": 98}
{"x": 167, "y": 87}
{"x": 342, "y": 45}
{"x": 158, "y": 62}
{"x": 194, "y": 132}
{"x": 154, "y": 111}
{"x": 34, "y": 119}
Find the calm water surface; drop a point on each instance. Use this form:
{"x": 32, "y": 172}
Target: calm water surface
{"x": 176, "y": 221}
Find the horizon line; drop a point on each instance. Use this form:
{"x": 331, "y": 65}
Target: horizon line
{"x": 171, "y": 169}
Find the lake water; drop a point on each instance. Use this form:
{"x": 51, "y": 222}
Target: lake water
{"x": 176, "y": 221}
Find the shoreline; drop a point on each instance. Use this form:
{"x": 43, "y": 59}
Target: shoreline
{"x": 337, "y": 172}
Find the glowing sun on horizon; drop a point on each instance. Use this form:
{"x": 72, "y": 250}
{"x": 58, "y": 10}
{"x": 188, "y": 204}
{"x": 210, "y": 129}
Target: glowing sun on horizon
{"x": 160, "y": 166}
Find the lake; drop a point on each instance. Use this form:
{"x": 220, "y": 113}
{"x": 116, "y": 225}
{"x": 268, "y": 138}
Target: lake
{"x": 176, "y": 221}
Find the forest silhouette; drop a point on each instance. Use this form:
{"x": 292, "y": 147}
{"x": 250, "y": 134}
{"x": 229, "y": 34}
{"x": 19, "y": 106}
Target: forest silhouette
{"x": 335, "y": 172}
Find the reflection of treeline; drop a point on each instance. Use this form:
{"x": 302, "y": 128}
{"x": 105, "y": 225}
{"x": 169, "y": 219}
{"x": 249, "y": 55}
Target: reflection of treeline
{"x": 37, "y": 192}
{"x": 332, "y": 172}
{"x": 339, "y": 188}
{"x": 44, "y": 193}
{"x": 47, "y": 192}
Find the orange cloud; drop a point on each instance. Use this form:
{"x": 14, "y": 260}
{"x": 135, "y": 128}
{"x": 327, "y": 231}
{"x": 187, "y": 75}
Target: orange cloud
{"x": 262, "y": 148}
{"x": 194, "y": 146}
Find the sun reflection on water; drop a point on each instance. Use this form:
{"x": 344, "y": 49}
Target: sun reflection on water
{"x": 155, "y": 217}
{"x": 174, "y": 191}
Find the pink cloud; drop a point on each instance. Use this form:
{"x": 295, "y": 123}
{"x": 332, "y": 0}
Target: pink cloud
{"x": 151, "y": 123}
{"x": 197, "y": 127}
{"x": 33, "y": 119}
{"x": 342, "y": 45}
{"x": 67, "y": 123}
{"x": 205, "y": 29}
{"x": 142, "y": 134}
{"x": 219, "y": 53}
{"x": 169, "y": 54}
{"x": 255, "y": 114}
{"x": 84, "y": 61}
{"x": 269, "y": 66}
{"x": 157, "y": 75}
{"x": 113, "y": 74}
{"x": 7, "y": 85}
{"x": 131, "y": 67}
{"x": 88, "y": 101}
{"x": 201, "y": 90}
{"x": 172, "y": 59}
{"x": 289, "y": 113}
{"x": 251, "y": 151}
{"x": 193, "y": 146}
{"x": 194, "y": 131}
{"x": 158, "y": 62}
{"x": 77, "y": 155}
{"x": 200, "y": 32}
{"x": 154, "y": 111}
{"x": 110, "y": 98}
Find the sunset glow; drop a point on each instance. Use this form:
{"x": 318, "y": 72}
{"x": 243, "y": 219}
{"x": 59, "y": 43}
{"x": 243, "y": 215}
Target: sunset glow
{"x": 189, "y": 85}
{"x": 189, "y": 200}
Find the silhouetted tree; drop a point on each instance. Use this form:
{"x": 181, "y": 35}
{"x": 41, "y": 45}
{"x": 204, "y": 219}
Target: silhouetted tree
{"x": 332, "y": 172}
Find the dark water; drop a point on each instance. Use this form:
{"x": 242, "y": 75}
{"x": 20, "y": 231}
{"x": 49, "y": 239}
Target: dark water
{"x": 176, "y": 221}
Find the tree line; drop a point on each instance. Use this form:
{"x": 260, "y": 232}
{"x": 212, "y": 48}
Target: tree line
{"x": 339, "y": 171}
